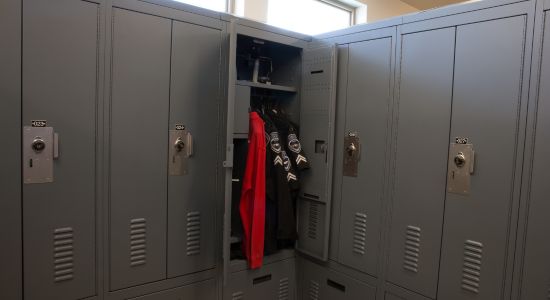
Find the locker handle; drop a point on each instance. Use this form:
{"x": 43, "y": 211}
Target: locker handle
{"x": 472, "y": 162}
{"x": 55, "y": 145}
{"x": 336, "y": 285}
{"x": 261, "y": 279}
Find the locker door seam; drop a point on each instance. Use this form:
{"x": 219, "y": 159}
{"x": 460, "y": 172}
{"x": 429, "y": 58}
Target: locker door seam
{"x": 168, "y": 149}
{"x": 442, "y": 228}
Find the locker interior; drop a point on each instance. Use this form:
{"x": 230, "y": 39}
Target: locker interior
{"x": 427, "y": 136}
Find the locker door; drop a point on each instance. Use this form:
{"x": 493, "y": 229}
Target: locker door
{"x": 317, "y": 114}
{"x": 60, "y": 60}
{"x": 536, "y": 274}
{"x": 194, "y": 101}
{"x": 425, "y": 94}
{"x": 369, "y": 69}
{"x": 485, "y": 111}
{"x": 139, "y": 147}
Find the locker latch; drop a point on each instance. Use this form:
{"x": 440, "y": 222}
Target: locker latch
{"x": 180, "y": 150}
{"x": 40, "y": 149}
{"x": 461, "y": 166}
{"x": 352, "y": 154}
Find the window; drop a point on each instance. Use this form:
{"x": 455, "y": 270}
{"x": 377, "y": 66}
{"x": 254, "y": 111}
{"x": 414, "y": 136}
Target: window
{"x": 308, "y": 16}
{"x": 217, "y": 5}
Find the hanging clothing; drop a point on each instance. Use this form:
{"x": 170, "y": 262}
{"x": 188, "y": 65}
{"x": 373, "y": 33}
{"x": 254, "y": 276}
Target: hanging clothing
{"x": 280, "y": 181}
{"x": 252, "y": 203}
{"x": 295, "y": 149}
{"x": 290, "y": 133}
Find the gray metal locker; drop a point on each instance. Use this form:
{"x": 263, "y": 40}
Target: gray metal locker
{"x": 139, "y": 146}
{"x": 11, "y": 273}
{"x": 425, "y": 93}
{"x": 365, "y": 146}
{"x": 60, "y": 79}
{"x": 536, "y": 271}
{"x": 317, "y": 111}
{"x": 194, "y": 103}
{"x": 205, "y": 290}
{"x": 488, "y": 79}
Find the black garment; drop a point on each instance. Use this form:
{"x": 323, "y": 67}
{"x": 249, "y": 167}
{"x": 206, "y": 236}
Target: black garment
{"x": 292, "y": 143}
{"x": 295, "y": 149}
{"x": 271, "y": 220}
{"x": 277, "y": 184}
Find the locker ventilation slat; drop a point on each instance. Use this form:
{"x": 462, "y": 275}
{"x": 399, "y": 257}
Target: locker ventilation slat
{"x": 237, "y": 296}
{"x": 138, "y": 242}
{"x": 313, "y": 220}
{"x": 63, "y": 254}
{"x": 471, "y": 270}
{"x": 359, "y": 233}
{"x": 193, "y": 233}
{"x": 283, "y": 289}
{"x": 313, "y": 290}
{"x": 412, "y": 249}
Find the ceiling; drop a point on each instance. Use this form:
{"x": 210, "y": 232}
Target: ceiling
{"x": 428, "y": 4}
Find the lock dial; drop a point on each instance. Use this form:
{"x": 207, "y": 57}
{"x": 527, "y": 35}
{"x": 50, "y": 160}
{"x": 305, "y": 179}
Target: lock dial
{"x": 179, "y": 145}
{"x": 460, "y": 160}
{"x": 38, "y": 144}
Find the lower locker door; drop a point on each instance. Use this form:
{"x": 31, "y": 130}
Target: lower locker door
{"x": 194, "y": 101}
{"x": 321, "y": 283}
{"x": 536, "y": 274}
{"x": 206, "y": 290}
{"x": 60, "y": 59}
{"x": 274, "y": 281}
{"x": 486, "y": 107}
{"x": 367, "y": 115}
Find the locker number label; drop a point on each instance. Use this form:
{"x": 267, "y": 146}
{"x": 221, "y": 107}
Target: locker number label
{"x": 38, "y": 123}
{"x": 180, "y": 127}
{"x": 461, "y": 140}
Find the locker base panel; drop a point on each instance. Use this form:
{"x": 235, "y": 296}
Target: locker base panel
{"x": 319, "y": 282}
{"x": 204, "y": 290}
{"x": 274, "y": 281}
{"x": 162, "y": 285}
{"x": 394, "y": 292}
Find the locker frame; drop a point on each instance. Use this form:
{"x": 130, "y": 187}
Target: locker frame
{"x": 541, "y": 14}
{"x": 11, "y": 274}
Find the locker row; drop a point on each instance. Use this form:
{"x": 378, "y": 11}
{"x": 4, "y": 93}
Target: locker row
{"x": 127, "y": 128}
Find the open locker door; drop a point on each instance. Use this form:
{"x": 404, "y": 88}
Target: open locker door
{"x": 317, "y": 114}
{"x": 228, "y": 162}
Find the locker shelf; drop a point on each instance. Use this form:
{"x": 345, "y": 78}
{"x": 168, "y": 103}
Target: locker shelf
{"x": 275, "y": 87}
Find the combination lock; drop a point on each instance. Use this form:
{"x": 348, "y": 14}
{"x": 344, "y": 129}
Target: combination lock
{"x": 38, "y": 144}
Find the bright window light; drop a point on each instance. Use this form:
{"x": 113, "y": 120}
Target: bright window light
{"x": 307, "y": 16}
{"x": 217, "y": 5}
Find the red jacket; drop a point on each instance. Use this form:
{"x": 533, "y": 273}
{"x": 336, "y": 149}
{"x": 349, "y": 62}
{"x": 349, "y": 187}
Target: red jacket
{"x": 252, "y": 203}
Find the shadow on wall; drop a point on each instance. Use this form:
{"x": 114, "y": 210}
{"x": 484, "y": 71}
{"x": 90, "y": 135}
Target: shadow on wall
{"x": 383, "y": 9}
